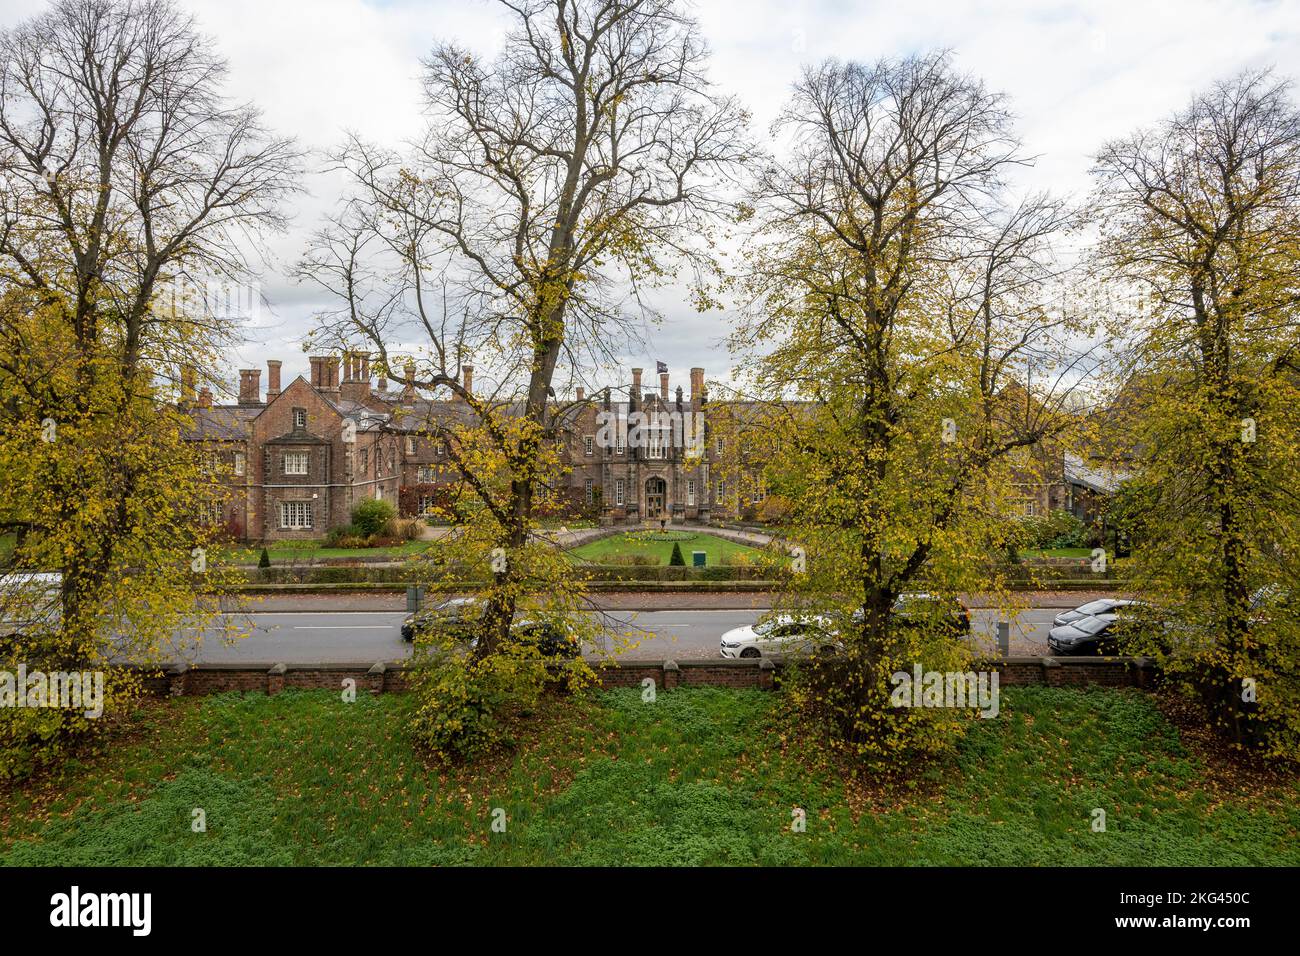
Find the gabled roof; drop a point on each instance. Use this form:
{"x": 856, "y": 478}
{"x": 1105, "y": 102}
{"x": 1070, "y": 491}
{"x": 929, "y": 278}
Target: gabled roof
{"x": 1099, "y": 479}
{"x": 222, "y": 422}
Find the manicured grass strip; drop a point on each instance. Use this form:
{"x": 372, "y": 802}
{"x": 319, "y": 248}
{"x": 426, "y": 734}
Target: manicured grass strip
{"x": 699, "y": 776}
{"x": 645, "y": 543}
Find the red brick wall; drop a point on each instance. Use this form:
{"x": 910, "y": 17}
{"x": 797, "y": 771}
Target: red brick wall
{"x": 268, "y": 678}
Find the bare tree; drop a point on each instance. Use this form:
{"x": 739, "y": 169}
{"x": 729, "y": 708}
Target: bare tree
{"x": 123, "y": 168}
{"x": 550, "y": 185}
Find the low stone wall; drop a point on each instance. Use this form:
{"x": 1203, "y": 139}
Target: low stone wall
{"x": 179, "y": 680}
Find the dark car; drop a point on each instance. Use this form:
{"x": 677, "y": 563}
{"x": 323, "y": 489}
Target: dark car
{"x": 916, "y": 608}
{"x": 550, "y": 639}
{"x": 1089, "y": 635}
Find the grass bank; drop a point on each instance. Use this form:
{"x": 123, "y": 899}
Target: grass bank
{"x": 701, "y": 776}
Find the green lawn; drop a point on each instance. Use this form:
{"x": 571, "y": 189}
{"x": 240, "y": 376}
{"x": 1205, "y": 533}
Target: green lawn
{"x": 697, "y": 777}
{"x": 608, "y": 550}
{"x": 1058, "y": 553}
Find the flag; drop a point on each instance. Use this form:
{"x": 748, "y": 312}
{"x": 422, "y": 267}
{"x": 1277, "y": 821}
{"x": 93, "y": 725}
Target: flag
{"x": 660, "y": 367}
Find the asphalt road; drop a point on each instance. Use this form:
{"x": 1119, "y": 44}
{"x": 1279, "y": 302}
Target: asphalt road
{"x": 303, "y": 637}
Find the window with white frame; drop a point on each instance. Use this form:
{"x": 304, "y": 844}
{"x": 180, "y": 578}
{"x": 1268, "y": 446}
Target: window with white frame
{"x": 721, "y": 491}
{"x": 300, "y": 418}
{"x": 620, "y": 434}
{"x": 427, "y": 504}
{"x": 410, "y": 445}
{"x": 588, "y": 490}
{"x": 658, "y": 443}
{"x": 295, "y": 462}
{"x": 239, "y": 464}
{"x": 425, "y": 475}
{"x": 759, "y": 494}
{"x": 690, "y": 491}
{"x": 618, "y": 492}
{"x": 721, "y": 445}
{"x": 295, "y": 515}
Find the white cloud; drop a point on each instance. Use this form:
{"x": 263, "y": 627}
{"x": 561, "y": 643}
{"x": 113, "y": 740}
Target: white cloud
{"x": 1077, "y": 74}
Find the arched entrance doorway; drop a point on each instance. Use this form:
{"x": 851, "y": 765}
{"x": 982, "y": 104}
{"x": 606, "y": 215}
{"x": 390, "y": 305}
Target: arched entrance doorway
{"x": 656, "y": 491}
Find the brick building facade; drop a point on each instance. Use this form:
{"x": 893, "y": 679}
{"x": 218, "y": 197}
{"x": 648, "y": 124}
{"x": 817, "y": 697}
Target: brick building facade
{"x": 299, "y": 459}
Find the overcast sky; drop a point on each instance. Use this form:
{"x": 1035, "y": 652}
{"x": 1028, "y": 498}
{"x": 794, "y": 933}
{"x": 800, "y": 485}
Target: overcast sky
{"x": 1076, "y": 74}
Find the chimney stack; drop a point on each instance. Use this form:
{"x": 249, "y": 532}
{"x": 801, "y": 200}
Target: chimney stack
{"x": 205, "y": 397}
{"x": 318, "y": 371}
{"x": 697, "y": 384}
{"x": 272, "y": 379}
{"x": 582, "y": 393}
{"x": 356, "y": 376}
{"x": 250, "y": 386}
{"x": 467, "y": 378}
{"x": 636, "y": 385}
{"x": 331, "y": 375}
{"x": 188, "y": 379}
{"x": 663, "y": 386}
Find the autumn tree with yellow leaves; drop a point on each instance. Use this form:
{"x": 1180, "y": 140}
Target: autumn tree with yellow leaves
{"x": 552, "y": 184}
{"x": 125, "y": 175}
{"x": 903, "y": 333}
{"x": 1200, "y": 229}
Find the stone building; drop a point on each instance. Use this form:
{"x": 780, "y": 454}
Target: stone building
{"x": 300, "y": 458}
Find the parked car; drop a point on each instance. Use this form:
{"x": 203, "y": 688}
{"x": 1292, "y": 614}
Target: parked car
{"x": 785, "y": 634}
{"x": 1094, "y": 634}
{"x": 451, "y": 616}
{"x": 1093, "y": 608}
{"x": 779, "y": 635}
{"x": 29, "y": 602}
{"x": 917, "y": 607}
{"x": 1267, "y": 601}
{"x": 914, "y": 608}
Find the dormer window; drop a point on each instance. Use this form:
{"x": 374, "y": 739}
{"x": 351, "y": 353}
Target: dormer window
{"x": 299, "y": 419}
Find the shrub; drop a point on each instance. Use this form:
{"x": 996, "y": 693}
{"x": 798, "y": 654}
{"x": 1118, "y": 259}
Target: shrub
{"x": 634, "y": 560}
{"x": 1059, "y": 529}
{"x": 404, "y": 529}
{"x": 371, "y": 516}
{"x": 677, "y": 560}
{"x": 265, "y": 560}
{"x": 774, "y": 509}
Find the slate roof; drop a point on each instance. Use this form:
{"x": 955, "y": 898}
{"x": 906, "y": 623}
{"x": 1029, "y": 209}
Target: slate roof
{"x": 222, "y": 422}
{"x": 1101, "y": 480}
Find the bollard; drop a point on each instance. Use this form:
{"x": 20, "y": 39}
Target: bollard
{"x": 1004, "y": 638}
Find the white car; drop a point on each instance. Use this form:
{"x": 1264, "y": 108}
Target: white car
{"x": 1092, "y": 609}
{"x": 778, "y": 635}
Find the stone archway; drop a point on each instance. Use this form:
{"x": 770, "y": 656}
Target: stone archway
{"x": 656, "y": 497}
